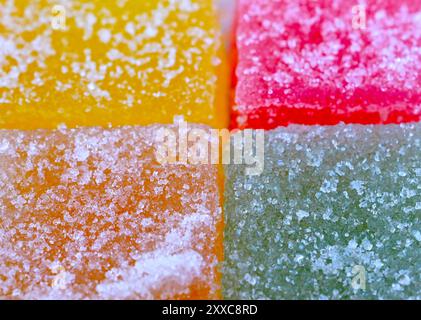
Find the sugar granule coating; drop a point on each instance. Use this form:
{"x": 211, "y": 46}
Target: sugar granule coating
{"x": 319, "y": 62}
{"x": 106, "y": 62}
{"x": 334, "y": 204}
{"x": 90, "y": 214}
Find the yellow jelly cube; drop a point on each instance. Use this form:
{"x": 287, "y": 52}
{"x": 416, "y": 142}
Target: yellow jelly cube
{"x": 110, "y": 63}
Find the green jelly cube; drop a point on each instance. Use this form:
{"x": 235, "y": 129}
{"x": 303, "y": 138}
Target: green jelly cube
{"x": 336, "y": 214}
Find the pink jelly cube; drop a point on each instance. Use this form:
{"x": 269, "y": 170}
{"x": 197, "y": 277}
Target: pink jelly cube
{"x": 327, "y": 61}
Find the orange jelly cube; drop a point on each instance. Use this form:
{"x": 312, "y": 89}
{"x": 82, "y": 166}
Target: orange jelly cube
{"x": 108, "y": 62}
{"x": 91, "y": 214}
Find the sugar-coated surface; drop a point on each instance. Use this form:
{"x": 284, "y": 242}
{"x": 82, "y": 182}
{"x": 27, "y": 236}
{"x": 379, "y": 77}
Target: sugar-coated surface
{"x": 308, "y": 62}
{"x": 116, "y": 62}
{"x": 332, "y": 201}
{"x": 89, "y": 213}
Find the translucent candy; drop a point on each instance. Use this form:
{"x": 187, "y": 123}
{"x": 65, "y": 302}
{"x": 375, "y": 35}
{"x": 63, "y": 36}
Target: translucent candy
{"x": 327, "y": 61}
{"x": 100, "y": 63}
{"x": 90, "y": 213}
{"x": 335, "y": 215}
